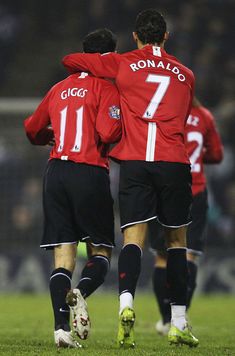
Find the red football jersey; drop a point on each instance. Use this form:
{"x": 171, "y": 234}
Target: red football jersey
{"x": 84, "y": 114}
{"x": 156, "y": 92}
{"x": 203, "y": 144}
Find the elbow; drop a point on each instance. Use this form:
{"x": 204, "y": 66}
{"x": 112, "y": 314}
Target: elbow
{"x": 117, "y": 137}
{"x": 41, "y": 138}
{"x": 65, "y": 60}
{"x": 219, "y": 155}
{"x": 28, "y": 130}
{"x": 216, "y": 158}
{"x": 68, "y": 65}
{"x": 110, "y": 134}
{"x": 31, "y": 138}
{"x": 106, "y": 138}
{"x": 111, "y": 138}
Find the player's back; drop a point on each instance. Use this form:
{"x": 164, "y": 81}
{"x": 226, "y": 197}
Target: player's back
{"x": 156, "y": 92}
{"x": 200, "y": 135}
{"x": 75, "y": 104}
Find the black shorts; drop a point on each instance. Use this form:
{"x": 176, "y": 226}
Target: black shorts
{"x": 196, "y": 233}
{"x": 77, "y": 204}
{"x": 150, "y": 190}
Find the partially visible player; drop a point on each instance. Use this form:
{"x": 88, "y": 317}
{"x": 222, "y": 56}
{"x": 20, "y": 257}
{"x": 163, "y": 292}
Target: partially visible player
{"x": 84, "y": 114}
{"x": 156, "y": 93}
{"x": 204, "y": 146}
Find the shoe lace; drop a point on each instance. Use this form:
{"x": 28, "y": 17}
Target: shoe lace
{"x": 189, "y": 327}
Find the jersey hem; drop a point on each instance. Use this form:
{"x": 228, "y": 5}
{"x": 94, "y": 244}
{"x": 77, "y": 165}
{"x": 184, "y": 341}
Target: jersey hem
{"x": 98, "y": 244}
{"x": 138, "y": 222}
{"x": 174, "y": 226}
{"x": 195, "y": 252}
{"x": 58, "y": 244}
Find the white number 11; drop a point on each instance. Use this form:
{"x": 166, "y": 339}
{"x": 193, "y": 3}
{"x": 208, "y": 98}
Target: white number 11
{"x": 78, "y": 137}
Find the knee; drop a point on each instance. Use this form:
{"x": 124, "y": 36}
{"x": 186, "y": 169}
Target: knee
{"x": 136, "y": 234}
{"x": 176, "y": 237}
{"x": 161, "y": 259}
{"x": 65, "y": 259}
{"x": 191, "y": 257}
{"x": 99, "y": 250}
{"x": 66, "y": 264}
{"x": 65, "y": 256}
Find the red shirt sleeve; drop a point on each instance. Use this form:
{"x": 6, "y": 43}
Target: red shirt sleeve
{"x": 36, "y": 125}
{"x": 212, "y": 143}
{"x": 108, "y": 123}
{"x": 100, "y": 65}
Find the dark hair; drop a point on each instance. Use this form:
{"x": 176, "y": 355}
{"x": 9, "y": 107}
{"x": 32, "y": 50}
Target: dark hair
{"x": 150, "y": 26}
{"x": 100, "y": 41}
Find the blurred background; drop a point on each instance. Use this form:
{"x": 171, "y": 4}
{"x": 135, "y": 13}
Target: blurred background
{"x": 34, "y": 36}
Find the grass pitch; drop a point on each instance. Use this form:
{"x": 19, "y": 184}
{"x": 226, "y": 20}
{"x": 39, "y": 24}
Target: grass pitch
{"x": 26, "y": 327}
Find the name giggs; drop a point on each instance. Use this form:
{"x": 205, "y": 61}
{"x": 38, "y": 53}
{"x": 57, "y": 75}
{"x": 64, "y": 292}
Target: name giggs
{"x": 141, "y": 64}
{"x": 80, "y": 92}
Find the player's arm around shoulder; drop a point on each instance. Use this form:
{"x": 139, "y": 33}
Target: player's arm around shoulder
{"x": 36, "y": 125}
{"x": 100, "y": 65}
{"x": 108, "y": 121}
{"x": 213, "y": 147}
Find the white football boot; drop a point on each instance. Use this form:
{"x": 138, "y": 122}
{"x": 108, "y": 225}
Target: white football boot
{"x": 65, "y": 339}
{"x": 80, "y": 318}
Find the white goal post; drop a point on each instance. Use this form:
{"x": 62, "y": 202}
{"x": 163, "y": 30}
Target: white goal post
{"x": 18, "y": 105}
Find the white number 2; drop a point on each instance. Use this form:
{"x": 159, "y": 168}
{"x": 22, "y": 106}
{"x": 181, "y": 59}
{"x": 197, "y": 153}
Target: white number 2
{"x": 78, "y": 137}
{"x": 198, "y": 138}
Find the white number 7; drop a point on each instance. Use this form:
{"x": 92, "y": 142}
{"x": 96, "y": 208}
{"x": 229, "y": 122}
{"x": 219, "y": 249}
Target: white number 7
{"x": 163, "y": 82}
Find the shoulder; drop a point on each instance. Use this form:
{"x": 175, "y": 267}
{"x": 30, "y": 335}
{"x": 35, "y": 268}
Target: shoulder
{"x": 135, "y": 54}
{"x": 62, "y": 82}
{"x": 76, "y": 79}
{"x": 182, "y": 66}
{"x": 186, "y": 70}
{"x": 189, "y": 72}
{"x": 105, "y": 84}
{"x": 205, "y": 115}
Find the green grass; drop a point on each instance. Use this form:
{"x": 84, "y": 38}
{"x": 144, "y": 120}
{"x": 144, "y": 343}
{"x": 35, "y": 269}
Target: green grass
{"x": 26, "y": 327}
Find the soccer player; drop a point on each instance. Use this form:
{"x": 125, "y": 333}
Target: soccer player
{"x": 156, "y": 93}
{"x": 204, "y": 146}
{"x": 84, "y": 114}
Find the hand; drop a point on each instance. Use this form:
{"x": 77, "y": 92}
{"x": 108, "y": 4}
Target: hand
{"x": 51, "y": 142}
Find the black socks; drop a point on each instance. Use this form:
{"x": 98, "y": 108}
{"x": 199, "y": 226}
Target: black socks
{"x": 161, "y": 289}
{"x": 177, "y": 275}
{"x": 192, "y": 277}
{"x": 93, "y": 275}
{"x": 129, "y": 266}
{"x": 60, "y": 284}
{"x": 162, "y": 293}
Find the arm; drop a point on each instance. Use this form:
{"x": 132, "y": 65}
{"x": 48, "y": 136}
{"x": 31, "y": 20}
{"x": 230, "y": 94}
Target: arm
{"x": 191, "y": 97}
{"x": 100, "y": 65}
{"x": 213, "y": 148}
{"x": 36, "y": 125}
{"x": 108, "y": 123}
